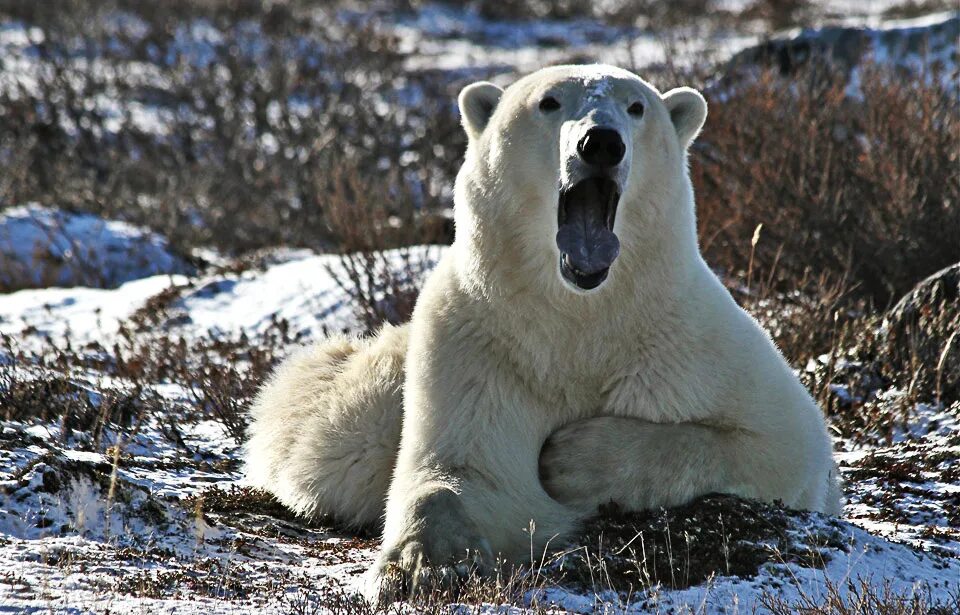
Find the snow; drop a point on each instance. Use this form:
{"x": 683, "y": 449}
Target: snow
{"x": 298, "y": 288}
{"x": 914, "y": 510}
{"x": 918, "y": 44}
{"x": 109, "y": 542}
{"x": 142, "y": 530}
{"x": 455, "y": 39}
{"x": 598, "y": 88}
{"x": 453, "y": 42}
{"x": 301, "y": 291}
{"x": 84, "y": 314}
{"x": 41, "y": 246}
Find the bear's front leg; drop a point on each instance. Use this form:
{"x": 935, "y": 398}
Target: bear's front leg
{"x": 465, "y": 487}
{"x": 639, "y": 464}
{"x": 634, "y": 463}
{"x": 447, "y": 521}
{"x": 436, "y": 546}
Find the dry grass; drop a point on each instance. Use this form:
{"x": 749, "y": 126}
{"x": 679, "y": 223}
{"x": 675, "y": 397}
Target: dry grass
{"x": 779, "y": 14}
{"x": 44, "y": 389}
{"x": 220, "y": 374}
{"x": 916, "y": 8}
{"x": 652, "y": 14}
{"x": 820, "y": 209}
{"x": 858, "y": 597}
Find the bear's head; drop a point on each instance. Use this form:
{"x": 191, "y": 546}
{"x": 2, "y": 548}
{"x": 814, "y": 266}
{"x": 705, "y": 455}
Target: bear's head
{"x": 576, "y": 179}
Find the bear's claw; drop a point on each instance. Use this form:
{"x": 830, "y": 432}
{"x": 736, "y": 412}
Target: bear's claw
{"x": 412, "y": 575}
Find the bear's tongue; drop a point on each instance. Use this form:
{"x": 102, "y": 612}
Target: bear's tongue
{"x": 583, "y": 237}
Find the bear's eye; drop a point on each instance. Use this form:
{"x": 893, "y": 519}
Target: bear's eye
{"x": 549, "y": 103}
{"x": 636, "y": 109}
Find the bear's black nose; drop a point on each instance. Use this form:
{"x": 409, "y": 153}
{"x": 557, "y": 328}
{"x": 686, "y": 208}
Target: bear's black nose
{"x": 602, "y": 147}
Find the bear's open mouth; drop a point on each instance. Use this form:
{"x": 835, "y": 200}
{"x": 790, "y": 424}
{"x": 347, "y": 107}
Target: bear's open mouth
{"x": 585, "y": 217}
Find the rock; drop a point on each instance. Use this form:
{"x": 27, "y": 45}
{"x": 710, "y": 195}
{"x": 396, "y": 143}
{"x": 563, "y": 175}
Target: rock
{"x": 920, "y": 333}
{"x": 929, "y": 42}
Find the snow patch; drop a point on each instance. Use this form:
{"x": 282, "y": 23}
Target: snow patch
{"x": 41, "y": 246}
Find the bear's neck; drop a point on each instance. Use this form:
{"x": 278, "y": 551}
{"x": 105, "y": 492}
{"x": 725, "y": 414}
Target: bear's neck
{"x": 501, "y": 267}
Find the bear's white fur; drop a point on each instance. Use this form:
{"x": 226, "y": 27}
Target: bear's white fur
{"x": 325, "y": 430}
{"x": 526, "y": 400}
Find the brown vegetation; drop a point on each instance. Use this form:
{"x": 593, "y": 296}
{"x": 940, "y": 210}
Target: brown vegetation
{"x": 863, "y": 190}
{"x": 255, "y": 133}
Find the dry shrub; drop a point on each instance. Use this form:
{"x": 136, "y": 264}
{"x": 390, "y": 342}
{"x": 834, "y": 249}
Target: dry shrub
{"x": 858, "y": 596}
{"x": 778, "y": 14}
{"x": 374, "y": 221}
{"x": 849, "y": 353}
{"x": 911, "y": 9}
{"x": 252, "y": 122}
{"x": 869, "y": 370}
{"x": 45, "y": 389}
{"x": 618, "y": 12}
{"x": 806, "y": 322}
{"x": 535, "y": 9}
{"x": 859, "y": 199}
{"x": 920, "y": 338}
{"x": 913, "y": 349}
{"x": 865, "y": 189}
{"x": 101, "y": 392}
{"x": 220, "y": 374}
{"x": 74, "y": 408}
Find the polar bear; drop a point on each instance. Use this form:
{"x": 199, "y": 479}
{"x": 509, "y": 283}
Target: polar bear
{"x": 571, "y": 348}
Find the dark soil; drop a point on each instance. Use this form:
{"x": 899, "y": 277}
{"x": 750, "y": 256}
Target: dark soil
{"x": 717, "y": 535}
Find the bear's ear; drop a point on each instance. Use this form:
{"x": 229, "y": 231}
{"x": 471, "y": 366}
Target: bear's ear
{"x": 477, "y": 102}
{"x": 688, "y": 110}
